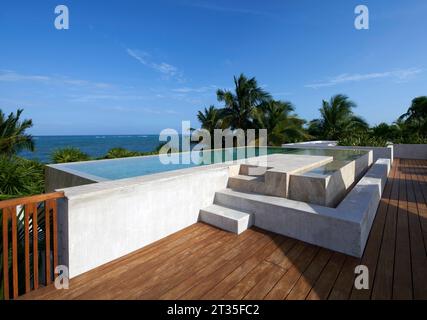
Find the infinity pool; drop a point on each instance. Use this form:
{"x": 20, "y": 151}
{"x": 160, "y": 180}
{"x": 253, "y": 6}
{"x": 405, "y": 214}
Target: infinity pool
{"x": 140, "y": 166}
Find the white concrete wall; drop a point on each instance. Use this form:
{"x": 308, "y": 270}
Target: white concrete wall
{"x": 378, "y": 152}
{"x": 110, "y": 219}
{"x": 404, "y": 151}
{"x": 410, "y": 151}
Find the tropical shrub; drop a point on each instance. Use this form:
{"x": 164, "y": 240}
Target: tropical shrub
{"x": 362, "y": 140}
{"x": 69, "y": 154}
{"x": 121, "y": 153}
{"x": 20, "y": 177}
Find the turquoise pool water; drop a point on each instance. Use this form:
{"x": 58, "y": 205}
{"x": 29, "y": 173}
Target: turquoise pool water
{"x": 141, "y": 166}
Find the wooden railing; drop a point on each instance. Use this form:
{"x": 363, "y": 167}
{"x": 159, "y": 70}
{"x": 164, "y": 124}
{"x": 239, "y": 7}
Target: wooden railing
{"x": 29, "y": 243}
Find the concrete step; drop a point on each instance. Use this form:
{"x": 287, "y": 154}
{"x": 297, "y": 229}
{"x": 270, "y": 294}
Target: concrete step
{"x": 227, "y": 219}
{"x": 248, "y": 201}
{"x": 246, "y": 183}
{"x": 252, "y": 170}
{"x": 310, "y": 223}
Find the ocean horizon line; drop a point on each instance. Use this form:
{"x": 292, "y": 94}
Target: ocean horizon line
{"x": 96, "y": 135}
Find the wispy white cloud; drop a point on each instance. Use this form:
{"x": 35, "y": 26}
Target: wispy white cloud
{"x": 168, "y": 70}
{"x": 401, "y": 75}
{"x": 12, "y": 76}
{"x": 110, "y": 97}
{"x": 227, "y": 9}
{"x": 195, "y": 90}
{"x": 157, "y": 111}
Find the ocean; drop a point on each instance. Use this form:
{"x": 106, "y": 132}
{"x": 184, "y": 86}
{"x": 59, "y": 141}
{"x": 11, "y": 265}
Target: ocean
{"x": 94, "y": 146}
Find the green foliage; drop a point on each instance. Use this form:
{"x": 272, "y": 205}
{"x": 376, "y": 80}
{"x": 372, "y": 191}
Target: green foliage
{"x": 282, "y": 125}
{"x": 20, "y": 177}
{"x": 210, "y": 119}
{"x": 337, "y": 119}
{"x": 69, "y": 154}
{"x": 116, "y": 153}
{"x": 12, "y": 134}
{"x": 362, "y": 139}
{"x": 241, "y": 104}
{"x": 414, "y": 121}
{"x": 121, "y": 153}
{"x": 251, "y": 107}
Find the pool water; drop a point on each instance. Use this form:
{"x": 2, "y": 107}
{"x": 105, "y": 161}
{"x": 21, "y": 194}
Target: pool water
{"x": 141, "y": 166}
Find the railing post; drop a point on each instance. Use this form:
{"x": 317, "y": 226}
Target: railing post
{"x": 35, "y": 247}
{"x": 12, "y": 213}
{"x": 5, "y": 254}
{"x": 27, "y": 210}
{"x": 48, "y": 207}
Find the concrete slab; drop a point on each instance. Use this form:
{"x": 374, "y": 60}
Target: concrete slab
{"x": 227, "y": 219}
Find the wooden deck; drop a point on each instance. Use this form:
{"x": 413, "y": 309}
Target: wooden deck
{"x": 202, "y": 262}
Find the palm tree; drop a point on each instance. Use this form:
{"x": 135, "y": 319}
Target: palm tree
{"x": 239, "y": 107}
{"x": 416, "y": 116}
{"x": 12, "y": 134}
{"x": 210, "y": 119}
{"x": 337, "y": 119}
{"x": 281, "y": 125}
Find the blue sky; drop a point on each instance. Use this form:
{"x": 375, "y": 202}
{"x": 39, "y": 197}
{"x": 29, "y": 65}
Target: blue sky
{"x": 134, "y": 66}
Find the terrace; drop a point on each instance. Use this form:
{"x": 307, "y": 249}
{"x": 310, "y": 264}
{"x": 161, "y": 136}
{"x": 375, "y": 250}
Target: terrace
{"x": 203, "y": 262}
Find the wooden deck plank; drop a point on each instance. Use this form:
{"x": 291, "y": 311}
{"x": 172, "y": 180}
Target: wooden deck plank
{"x": 306, "y": 281}
{"x": 373, "y": 246}
{"x": 284, "y": 286}
{"x": 420, "y": 197}
{"x": 418, "y": 250}
{"x": 240, "y": 272}
{"x": 326, "y": 281}
{"x": 148, "y": 267}
{"x": 196, "y": 285}
{"x": 263, "y": 287}
{"x": 199, "y": 263}
{"x": 402, "y": 279}
{"x": 250, "y": 280}
{"x": 168, "y": 247}
{"x": 285, "y": 259}
{"x": 383, "y": 281}
{"x": 345, "y": 281}
{"x": 141, "y": 279}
